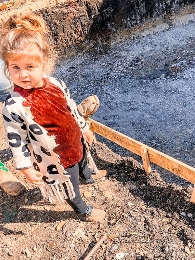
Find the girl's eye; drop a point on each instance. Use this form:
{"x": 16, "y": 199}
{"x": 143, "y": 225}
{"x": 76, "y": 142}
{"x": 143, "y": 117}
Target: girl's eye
{"x": 29, "y": 66}
{"x": 15, "y": 67}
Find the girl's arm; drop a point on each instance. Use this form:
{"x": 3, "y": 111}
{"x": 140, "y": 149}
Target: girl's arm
{"x": 16, "y": 134}
{"x": 89, "y": 136}
{"x": 18, "y": 140}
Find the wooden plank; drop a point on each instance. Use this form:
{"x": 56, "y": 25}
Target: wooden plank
{"x": 145, "y": 159}
{"x": 163, "y": 160}
{"x": 88, "y": 257}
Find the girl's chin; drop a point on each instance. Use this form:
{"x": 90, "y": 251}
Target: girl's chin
{"x": 26, "y": 87}
{"x": 29, "y": 85}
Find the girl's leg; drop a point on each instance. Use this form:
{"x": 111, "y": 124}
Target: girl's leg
{"x": 79, "y": 206}
{"x": 85, "y": 212}
{"x": 85, "y": 172}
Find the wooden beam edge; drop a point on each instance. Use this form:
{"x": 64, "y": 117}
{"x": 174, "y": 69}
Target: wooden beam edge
{"x": 161, "y": 159}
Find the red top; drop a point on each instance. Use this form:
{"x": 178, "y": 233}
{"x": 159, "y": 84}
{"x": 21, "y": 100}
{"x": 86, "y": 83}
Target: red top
{"x": 50, "y": 110}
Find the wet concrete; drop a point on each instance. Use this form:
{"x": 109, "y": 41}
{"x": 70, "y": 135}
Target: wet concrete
{"x": 145, "y": 83}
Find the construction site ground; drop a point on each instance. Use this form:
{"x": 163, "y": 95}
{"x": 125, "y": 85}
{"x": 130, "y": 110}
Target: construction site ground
{"x": 146, "y": 217}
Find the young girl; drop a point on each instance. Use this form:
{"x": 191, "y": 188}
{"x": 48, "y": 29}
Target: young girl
{"x": 44, "y": 128}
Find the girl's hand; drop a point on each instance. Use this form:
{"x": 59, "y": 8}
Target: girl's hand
{"x": 33, "y": 176}
{"x": 88, "y": 135}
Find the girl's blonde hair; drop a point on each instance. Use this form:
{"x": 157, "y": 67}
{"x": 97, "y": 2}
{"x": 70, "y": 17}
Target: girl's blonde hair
{"x": 20, "y": 32}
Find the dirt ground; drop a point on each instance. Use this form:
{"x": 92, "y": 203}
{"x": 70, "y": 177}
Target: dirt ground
{"x": 146, "y": 217}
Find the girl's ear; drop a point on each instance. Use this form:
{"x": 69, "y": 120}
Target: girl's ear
{"x": 45, "y": 66}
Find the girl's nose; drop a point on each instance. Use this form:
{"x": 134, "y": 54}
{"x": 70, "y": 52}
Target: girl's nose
{"x": 23, "y": 74}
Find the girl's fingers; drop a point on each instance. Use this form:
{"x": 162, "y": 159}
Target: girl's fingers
{"x": 39, "y": 176}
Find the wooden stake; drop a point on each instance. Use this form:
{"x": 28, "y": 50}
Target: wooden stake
{"x": 192, "y": 199}
{"x": 87, "y": 119}
{"x": 95, "y": 247}
{"x": 145, "y": 159}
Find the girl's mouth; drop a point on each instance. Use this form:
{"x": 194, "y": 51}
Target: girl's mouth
{"x": 25, "y": 81}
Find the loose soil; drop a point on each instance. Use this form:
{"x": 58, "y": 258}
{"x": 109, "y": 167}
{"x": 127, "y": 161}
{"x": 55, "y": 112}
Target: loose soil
{"x": 146, "y": 217}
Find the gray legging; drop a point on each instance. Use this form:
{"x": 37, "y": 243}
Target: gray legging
{"x": 82, "y": 170}
{"x": 79, "y": 206}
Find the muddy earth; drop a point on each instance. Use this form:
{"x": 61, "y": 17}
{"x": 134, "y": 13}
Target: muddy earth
{"x": 145, "y": 81}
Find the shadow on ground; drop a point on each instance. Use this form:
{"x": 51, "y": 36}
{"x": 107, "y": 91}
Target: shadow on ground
{"x": 150, "y": 188}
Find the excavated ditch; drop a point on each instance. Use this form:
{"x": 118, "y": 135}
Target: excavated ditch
{"x": 145, "y": 82}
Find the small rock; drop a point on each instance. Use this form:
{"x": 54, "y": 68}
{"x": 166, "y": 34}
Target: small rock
{"x": 87, "y": 194}
{"x": 34, "y": 248}
{"x": 139, "y": 258}
{"x": 115, "y": 247}
{"x": 187, "y": 250}
{"x": 80, "y": 234}
{"x": 189, "y": 244}
{"x": 72, "y": 245}
{"x": 10, "y": 253}
{"x": 36, "y": 192}
{"x": 132, "y": 175}
{"x": 112, "y": 221}
{"x": 133, "y": 187}
{"x": 108, "y": 194}
{"x": 6, "y": 250}
{"x": 60, "y": 225}
{"x": 119, "y": 256}
{"x": 27, "y": 252}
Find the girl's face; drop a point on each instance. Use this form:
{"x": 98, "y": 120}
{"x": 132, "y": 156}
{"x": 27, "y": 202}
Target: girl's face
{"x": 25, "y": 72}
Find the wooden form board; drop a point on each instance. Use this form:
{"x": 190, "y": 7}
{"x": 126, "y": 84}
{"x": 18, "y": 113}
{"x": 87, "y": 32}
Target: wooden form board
{"x": 147, "y": 153}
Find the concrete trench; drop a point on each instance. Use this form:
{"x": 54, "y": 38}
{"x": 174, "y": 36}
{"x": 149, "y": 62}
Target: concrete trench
{"x": 138, "y": 57}
{"x": 80, "y": 24}
{"x": 74, "y": 22}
